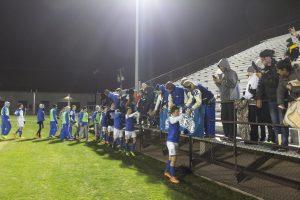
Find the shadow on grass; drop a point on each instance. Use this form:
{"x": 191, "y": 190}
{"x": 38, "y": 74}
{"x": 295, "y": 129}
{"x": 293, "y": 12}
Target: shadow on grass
{"x": 26, "y": 140}
{"x": 55, "y": 141}
{"x": 5, "y": 140}
{"x": 75, "y": 142}
{"x": 42, "y": 140}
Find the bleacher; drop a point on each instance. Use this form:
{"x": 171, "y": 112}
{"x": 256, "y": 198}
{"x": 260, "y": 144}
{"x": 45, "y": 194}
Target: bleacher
{"x": 239, "y": 63}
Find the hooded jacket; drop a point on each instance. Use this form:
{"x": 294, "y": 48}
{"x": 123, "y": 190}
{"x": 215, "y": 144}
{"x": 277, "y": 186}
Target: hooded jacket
{"x": 229, "y": 83}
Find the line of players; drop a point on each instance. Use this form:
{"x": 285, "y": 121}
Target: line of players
{"x": 107, "y": 124}
{"x": 109, "y": 119}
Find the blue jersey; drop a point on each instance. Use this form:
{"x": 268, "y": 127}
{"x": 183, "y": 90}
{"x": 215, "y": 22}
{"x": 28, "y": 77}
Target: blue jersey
{"x": 115, "y": 98}
{"x": 73, "y": 116}
{"x": 165, "y": 95}
{"x": 118, "y": 120}
{"x": 174, "y": 130}
{"x": 178, "y": 96}
{"x": 5, "y": 113}
{"x": 17, "y": 112}
{"x": 104, "y": 122}
{"x": 206, "y": 94}
{"x": 40, "y": 115}
{"x": 129, "y": 122}
{"x": 110, "y": 117}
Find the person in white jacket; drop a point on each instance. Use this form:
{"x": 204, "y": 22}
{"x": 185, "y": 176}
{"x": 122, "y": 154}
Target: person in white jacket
{"x": 20, "y": 120}
{"x": 249, "y": 94}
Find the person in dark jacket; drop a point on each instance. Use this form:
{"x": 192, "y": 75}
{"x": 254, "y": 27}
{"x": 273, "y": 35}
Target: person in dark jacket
{"x": 267, "y": 90}
{"x": 287, "y": 73}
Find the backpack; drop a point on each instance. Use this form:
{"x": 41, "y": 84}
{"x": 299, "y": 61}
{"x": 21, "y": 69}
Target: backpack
{"x": 292, "y": 115}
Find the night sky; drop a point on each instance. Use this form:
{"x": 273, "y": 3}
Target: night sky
{"x": 78, "y": 45}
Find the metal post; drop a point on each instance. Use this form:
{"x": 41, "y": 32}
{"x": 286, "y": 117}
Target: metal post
{"x": 234, "y": 139}
{"x": 69, "y": 100}
{"x": 141, "y": 137}
{"x": 33, "y": 103}
{"x": 190, "y": 152}
{"x": 136, "y": 69}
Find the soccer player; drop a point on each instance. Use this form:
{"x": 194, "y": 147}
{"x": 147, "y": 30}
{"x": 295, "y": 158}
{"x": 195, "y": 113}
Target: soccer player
{"x": 53, "y": 121}
{"x": 129, "y": 131}
{"x": 84, "y": 124}
{"x": 96, "y": 117}
{"x": 20, "y": 120}
{"x": 110, "y": 123}
{"x": 104, "y": 124}
{"x": 40, "y": 120}
{"x": 6, "y": 125}
{"x": 118, "y": 125}
{"x": 172, "y": 143}
{"x": 73, "y": 122}
{"x": 65, "y": 133}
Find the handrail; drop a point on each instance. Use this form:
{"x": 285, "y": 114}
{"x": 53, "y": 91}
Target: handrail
{"x": 232, "y": 49}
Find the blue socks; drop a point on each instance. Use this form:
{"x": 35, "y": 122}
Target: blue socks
{"x": 172, "y": 170}
{"x": 132, "y": 147}
{"x": 167, "y": 166}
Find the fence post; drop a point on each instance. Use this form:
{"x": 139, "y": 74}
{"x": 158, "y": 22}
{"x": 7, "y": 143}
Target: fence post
{"x": 190, "y": 152}
{"x": 141, "y": 137}
{"x": 234, "y": 139}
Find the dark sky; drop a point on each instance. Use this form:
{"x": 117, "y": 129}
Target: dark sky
{"x": 78, "y": 45}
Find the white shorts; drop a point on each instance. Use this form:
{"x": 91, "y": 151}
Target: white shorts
{"x": 104, "y": 129}
{"x": 20, "y": 123}
{"x": 173, "y": 148}
{"x": 110, "y": 129}
{"x": 117, "y": 133}
{"x": 130, "y": 134}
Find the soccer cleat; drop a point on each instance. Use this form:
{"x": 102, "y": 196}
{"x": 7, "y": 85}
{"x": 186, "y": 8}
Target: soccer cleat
{"x": 127, "y": 153}
{"x": 173, "y": 179}
{"x": 132, "y": 153}
{"x": 167, "y": 174}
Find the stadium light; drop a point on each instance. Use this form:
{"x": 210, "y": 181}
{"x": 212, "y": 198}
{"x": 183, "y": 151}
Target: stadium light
{"x": 136, "y": 65}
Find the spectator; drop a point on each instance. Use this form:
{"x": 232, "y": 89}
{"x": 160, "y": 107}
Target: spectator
{"x": 287, "y": 73}
{"x": 249, "y": 94}
{"x": 292, "y": 45}
{"x": 145, "y": 104}
{"x": 194, "y": 104}
{"x": 266, "y": 91}
{"x": 263, "y": 113}
{"x": 228, "y": 86}
{"x": 207, "y": 101}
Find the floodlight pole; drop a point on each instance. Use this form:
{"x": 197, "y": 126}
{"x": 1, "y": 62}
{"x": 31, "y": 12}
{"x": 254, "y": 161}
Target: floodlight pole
{"x": 33, "y": 103}
{"x": 136, "y": 68}
{"x": 69, "y": 99}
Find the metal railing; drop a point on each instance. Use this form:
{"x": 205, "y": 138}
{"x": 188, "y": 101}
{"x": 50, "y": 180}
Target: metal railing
{"x": 233, "y": 49}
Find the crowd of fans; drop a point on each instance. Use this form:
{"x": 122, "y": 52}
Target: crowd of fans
{"x": 188, "y": 108}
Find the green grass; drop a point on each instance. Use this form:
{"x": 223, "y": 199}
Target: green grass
{"x": 50, "y": 169}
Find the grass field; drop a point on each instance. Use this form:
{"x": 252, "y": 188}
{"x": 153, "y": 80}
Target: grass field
{"x": 50, "y": 169}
